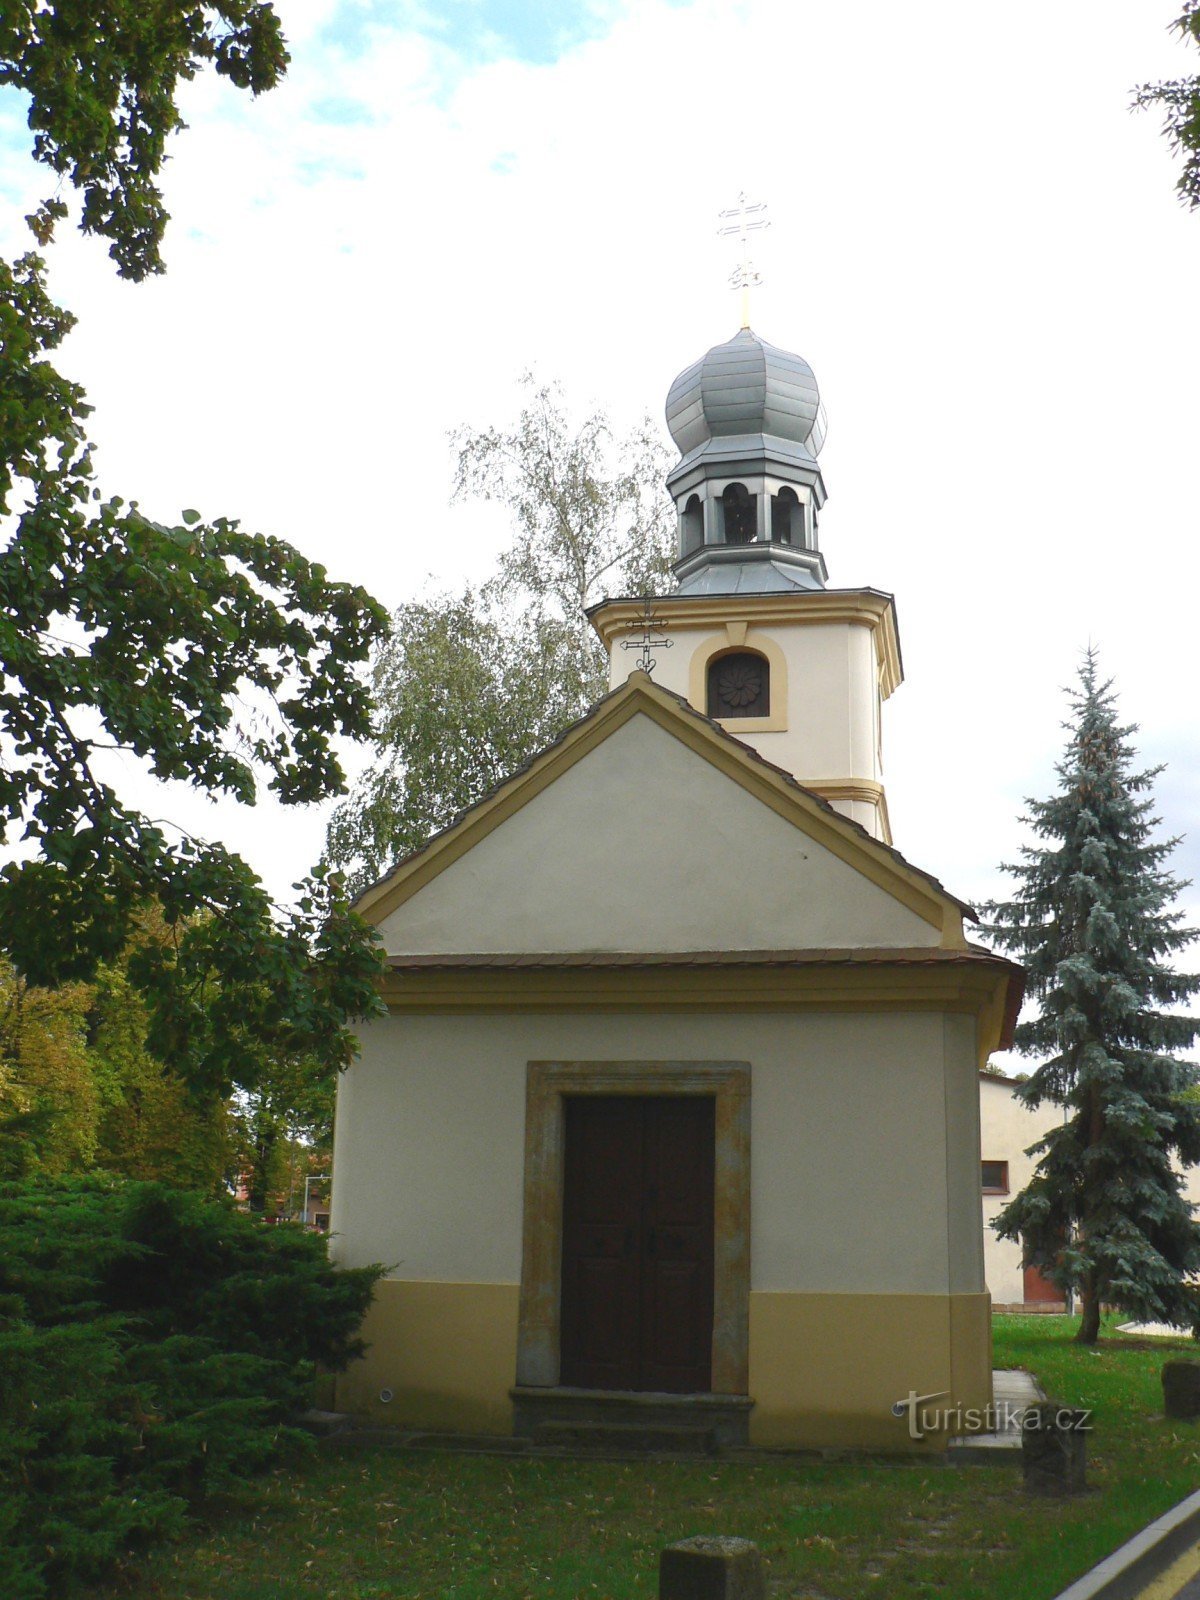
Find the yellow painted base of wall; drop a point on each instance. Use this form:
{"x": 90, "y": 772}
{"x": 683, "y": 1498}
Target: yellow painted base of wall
{"x": 447, "y": 1352}
{"x": 825, "y": 1369}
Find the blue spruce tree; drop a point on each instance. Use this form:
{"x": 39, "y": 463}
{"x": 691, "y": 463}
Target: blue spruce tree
{"x": 1093, "y": 921}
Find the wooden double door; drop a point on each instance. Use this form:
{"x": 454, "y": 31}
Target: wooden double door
{"x": 637, "y": 1265}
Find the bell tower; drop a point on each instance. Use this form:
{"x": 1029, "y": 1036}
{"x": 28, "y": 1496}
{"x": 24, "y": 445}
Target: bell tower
{"x": 757, "y": 641}
{"x": 749, "y": 425}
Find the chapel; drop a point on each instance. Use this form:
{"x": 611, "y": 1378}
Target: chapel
{"x": 673, "y": 1120}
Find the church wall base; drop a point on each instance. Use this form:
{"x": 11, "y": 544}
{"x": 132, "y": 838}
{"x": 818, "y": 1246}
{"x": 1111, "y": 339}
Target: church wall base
{"x": 444, "y": 1353}
{"x": 825, "y": 1369}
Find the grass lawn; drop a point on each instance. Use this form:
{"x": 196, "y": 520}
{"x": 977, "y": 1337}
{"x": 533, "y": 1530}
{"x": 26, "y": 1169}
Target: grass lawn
{"x": 409, "y": 1526}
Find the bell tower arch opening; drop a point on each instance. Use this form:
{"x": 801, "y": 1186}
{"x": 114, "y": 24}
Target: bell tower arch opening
{"x": 739, "y": 514}
{"x": 787, "y": 518}
{"x": 691, "y": 526}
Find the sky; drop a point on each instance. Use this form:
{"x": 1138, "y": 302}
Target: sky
{"x": 975, "y": 243}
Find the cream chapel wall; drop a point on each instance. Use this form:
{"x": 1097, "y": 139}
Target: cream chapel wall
{"x": 859, "y": 1289}
{"x": 966, "y": 1250}
{"x": 559, "y": 876}
{"x": 853, "y": 1117}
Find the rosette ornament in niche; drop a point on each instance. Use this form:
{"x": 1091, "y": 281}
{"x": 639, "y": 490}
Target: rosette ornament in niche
{"x": 739, "y": 685}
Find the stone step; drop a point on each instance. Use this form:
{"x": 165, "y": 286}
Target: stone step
{"x": 324, "y": 1424}
{"x": 636, "y": 1438}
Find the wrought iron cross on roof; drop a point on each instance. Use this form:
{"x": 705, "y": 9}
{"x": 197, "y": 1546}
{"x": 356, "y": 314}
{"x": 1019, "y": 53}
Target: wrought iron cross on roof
{"x": 747, "y": 217}
{"x": 652, "y": 625}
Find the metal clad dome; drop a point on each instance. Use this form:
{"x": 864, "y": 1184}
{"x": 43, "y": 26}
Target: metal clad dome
{"x": 746, "y": 386}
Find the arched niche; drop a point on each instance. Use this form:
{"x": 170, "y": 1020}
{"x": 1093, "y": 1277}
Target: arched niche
{"x": 738, "y": 684}
{"x": 787, "y": 518}
{"x": 735, "y": 641}
{"x": 691, "y": 526}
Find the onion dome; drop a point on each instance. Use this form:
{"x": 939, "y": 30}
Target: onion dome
{"x": 749, "y": 423}
{"x": 746, "y": 387}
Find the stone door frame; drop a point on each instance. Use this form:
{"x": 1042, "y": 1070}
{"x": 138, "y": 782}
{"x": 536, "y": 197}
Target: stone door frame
{"x": 546, "y": 1084}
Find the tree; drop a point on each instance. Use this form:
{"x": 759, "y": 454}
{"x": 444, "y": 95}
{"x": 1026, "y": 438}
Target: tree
{"x": 589, "y": 508}
{"x": 46, "y": 1073}
{"x": 80, "y": 1090}
{"x": 102, "y": 79}
{"x": 1180, "y": 99}
{"x": 465, "y": 694}
{"x": 213, "y": 656}
{"x": 150, "y": 1126}
{"x": 280, "y": 1130}
{"x": 154, "y": 1346}
{"x": 1093, "y": 920}
{"x": 469, "y": 687}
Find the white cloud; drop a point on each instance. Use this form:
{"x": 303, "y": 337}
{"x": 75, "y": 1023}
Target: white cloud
{"x": 974, "y": 242}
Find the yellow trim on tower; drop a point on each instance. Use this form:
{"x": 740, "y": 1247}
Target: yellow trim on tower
{"x": 867, "y": 791}
{"x": 864, "y": 608}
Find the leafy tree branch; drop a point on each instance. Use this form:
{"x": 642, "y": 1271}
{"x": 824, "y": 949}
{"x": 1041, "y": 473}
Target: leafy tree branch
{"x": 1179, "y": 99}
{"x": 103, "y": 80}
{"x": 211, "y": 656}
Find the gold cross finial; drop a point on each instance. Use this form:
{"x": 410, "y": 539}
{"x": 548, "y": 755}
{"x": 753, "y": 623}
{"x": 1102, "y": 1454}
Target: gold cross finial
{"x": 747, "y": 217}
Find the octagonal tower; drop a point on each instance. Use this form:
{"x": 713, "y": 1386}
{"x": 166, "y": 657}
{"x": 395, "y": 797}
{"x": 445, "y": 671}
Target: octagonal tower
{"x": 748, "y": 422}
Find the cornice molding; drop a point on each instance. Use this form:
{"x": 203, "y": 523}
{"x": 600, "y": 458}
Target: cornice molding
{"x": 866, "y": 790}
{"x": 864, "y": 608}
{"x": 987, "y": 989}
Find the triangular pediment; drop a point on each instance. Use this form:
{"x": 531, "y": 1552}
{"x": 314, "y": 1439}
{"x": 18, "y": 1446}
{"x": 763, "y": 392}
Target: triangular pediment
{"x": 647, "y": 828}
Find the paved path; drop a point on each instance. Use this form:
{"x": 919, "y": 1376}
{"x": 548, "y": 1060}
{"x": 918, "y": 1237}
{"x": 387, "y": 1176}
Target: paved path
{"x": 1012, "y": 1391}
{"x": 1154, "y": 1330}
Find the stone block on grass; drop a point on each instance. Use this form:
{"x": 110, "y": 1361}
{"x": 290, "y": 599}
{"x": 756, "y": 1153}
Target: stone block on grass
{"x": 711, "y": 1567}
{"x": 1054, "y": 1449}
{"x": 1181, "y": 1389}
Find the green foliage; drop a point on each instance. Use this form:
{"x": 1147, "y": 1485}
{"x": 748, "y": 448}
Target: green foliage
{"x": 79, "y": 1089}
{"x": 469, "y": 687}
{"x": 1179, "y": 98}
{"x": 590, "y": 512}
{"x": 218, "y": 658}
{"x": 45, "y": 1068}
{"x": 102, "y": 80}
{"x": 211, "y": 656}
{"x": 465, "y": 694}
{"x": 152, "y": 1346}
{"x": 150, "y": 1124}
{"x": 1092, "y": 919}
{"x": 283, "y": 1130}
